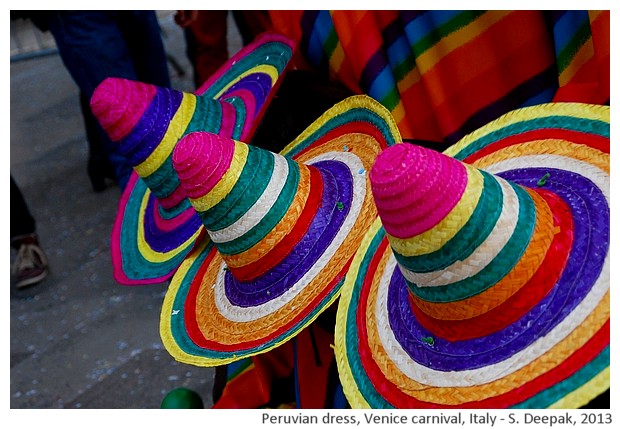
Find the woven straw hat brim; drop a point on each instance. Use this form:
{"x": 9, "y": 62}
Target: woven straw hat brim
{"x": 202, "y": 321}
{"x": 146, "y": 247}
{"x": 535, "y": 350}
{"x": 149, "y": 242}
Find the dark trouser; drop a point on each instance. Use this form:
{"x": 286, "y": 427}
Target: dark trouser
{"x": 206, "y": 38}
{"x": 22, "y": 222}
{"x": 95, "y": 45}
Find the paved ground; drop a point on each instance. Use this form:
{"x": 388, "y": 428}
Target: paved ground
{"x": 79, "y": 339}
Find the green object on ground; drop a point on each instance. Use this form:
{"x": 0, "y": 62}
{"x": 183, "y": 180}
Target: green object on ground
{"x": 182, "y": 397}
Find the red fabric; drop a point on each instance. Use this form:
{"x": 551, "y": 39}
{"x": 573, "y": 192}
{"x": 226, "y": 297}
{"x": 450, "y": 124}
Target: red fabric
{"x": 254, "y": 387}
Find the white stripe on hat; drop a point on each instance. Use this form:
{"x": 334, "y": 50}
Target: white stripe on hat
{"x": 483, "y": 255}
{"x": 542, "y": 345}
{"x": 243, "y": 314}
{"x": 260, "y": 208}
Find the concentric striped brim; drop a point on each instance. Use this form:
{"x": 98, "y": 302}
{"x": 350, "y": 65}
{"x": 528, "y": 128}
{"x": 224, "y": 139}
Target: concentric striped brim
{"x": 156, "y": 226}
{"x": 283, "y": 230}
{"x": 485, "y": 281}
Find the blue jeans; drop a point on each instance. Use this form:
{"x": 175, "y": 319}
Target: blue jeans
{"x": 95, "y": 45}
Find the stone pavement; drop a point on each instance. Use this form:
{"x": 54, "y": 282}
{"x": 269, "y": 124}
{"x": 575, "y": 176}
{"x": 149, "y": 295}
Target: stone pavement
{"x": 79, "y": 339}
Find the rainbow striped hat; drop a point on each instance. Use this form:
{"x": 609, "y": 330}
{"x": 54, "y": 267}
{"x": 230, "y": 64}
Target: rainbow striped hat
{"x": 485, "y": 281}
{"x": 283, "y": 228}
{"x": 155, "y": 225}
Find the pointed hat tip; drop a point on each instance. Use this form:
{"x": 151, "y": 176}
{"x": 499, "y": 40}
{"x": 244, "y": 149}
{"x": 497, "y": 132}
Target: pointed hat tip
{"x": 200, "y": 159}
{"x": 410, "y": 183}
{"x": 405, "y": 166}
{"x": 118, "y": 104}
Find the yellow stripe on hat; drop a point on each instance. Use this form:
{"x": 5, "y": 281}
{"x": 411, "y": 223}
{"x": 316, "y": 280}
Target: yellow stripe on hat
{"x": 576, "y": 110}
{"x": 145, "y": 250}
{"x": 226, "y": 183}
{"x": 355, "y": 102}
{"x": 281, "y": 230}
{"x": 583, "y": 395}
{"x": 519, "y": 375}
{"x": 269, "y": 70}
{"x": 177, "y": 127}
{"x": 436, "y": 237}
{"x": 547, "y": 147}
{"x": 165, "y": 321}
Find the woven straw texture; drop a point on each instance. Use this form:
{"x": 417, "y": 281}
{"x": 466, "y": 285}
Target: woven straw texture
{"x": 495, "y": 294}
{"x": 283, "y": 227}
{"x": 156, "y": 226}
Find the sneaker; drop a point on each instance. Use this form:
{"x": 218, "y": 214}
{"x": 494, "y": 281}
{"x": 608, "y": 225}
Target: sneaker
{"x": 30, "y": 266}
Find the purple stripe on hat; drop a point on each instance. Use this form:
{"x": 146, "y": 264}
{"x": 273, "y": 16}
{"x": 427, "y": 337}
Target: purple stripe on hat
{"x": 590, "y": 212}
{"x": 150, "y": 129}
{"x": 164, "y": 241}
{"x": 259, "y": 84}
{"x": 338, "y": 187}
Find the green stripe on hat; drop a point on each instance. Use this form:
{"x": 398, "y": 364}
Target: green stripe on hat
{"x": 561, "y": 122}
{"x": 468, "y": 238}
{"x": 207, "y": 116}
{"x": 499, "y": 267}
{"x": 248, "y": 189}
{"x": 271, "y": 219}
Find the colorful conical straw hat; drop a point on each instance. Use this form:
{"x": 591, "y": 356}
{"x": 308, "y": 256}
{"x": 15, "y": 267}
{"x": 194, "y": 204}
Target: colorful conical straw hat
{"x": 283, "y": 228}
{"x": 155, "y": 226}
{"x": 485, "y": 281}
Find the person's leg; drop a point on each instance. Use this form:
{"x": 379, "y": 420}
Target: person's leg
{"x": 251, "y": 23}
{"x": 208, "y": 45}
{"x": 142, "y": 32}
{"x": 30, "y": 265}
{"x": 99, "y": 168}
{"x": 22, "y": 221}
{"x": 93, "y": 48}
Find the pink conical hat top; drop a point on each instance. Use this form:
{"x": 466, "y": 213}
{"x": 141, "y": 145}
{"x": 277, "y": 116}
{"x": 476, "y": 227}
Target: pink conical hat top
{"x": 201, "y": 159}
{"x": 119, "y": 104}
{"x": 460, "y": 235}
{"x": 414, "y": 188}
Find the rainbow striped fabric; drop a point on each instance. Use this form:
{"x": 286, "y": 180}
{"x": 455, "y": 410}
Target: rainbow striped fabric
{"x": 442, "y": 74}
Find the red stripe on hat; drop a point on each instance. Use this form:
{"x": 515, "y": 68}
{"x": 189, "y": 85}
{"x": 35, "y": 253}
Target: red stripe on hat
{"x": 249, "y": 118}
{"x": 348, "y": 128}
{"x": 293, "y": 324}
{"x": 592, "y": 140}
{"x": 397, "y": 398}
{"x": 360, "y": 318}
{"x": 168, "y": 225}
{"x": 229, "y": 118}
{"x": 174, "y": 199}
{"x": 286, "y": 245}
{"x": 525, "y": 298}
{"x": 190, "y": 308}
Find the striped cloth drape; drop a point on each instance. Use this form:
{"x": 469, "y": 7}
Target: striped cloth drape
{"x": 443, "y": 74}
